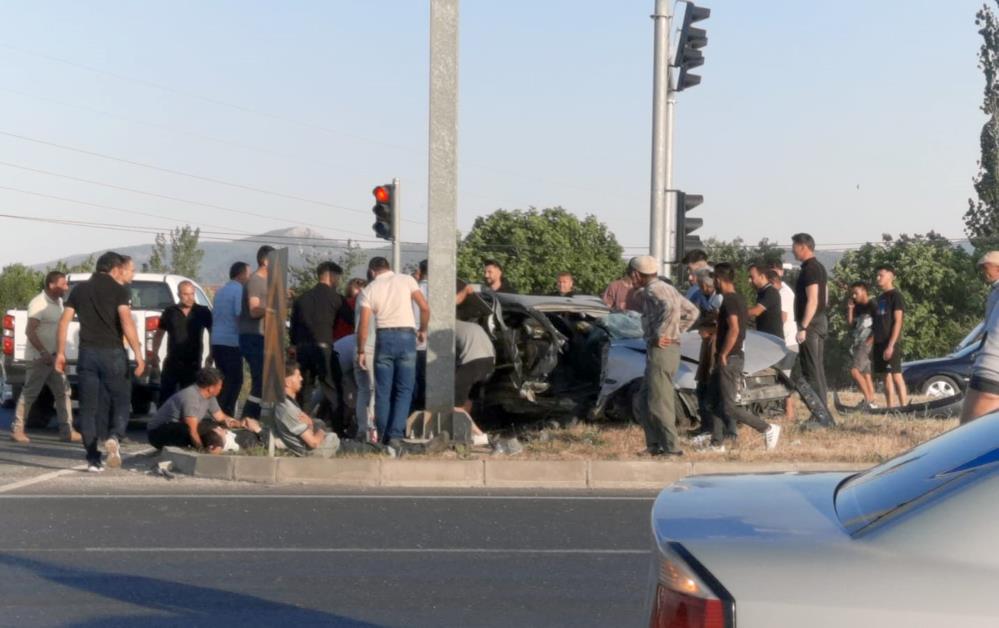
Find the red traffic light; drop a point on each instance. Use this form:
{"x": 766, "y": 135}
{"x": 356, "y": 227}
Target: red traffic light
{"x": 382, "y": 193}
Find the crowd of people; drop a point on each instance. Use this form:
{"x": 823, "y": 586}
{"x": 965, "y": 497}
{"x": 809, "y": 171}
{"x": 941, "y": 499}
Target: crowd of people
{"x": 357, "y": 360}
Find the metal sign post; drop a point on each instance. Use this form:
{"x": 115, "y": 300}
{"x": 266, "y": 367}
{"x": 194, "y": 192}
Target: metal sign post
{"x": 660, "y": 223}
{"x": 396, "y": 245}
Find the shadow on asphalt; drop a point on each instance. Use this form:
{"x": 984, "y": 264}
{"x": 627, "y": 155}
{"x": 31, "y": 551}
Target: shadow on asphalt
{"x": 175, "y": 604}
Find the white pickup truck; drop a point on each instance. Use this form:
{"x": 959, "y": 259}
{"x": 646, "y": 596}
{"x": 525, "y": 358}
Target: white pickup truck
{"x": 151, "y": 294}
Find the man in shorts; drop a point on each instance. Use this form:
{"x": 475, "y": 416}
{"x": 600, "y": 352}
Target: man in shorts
{"x": 860, "y": 311}
{"x": 887, "y": 351}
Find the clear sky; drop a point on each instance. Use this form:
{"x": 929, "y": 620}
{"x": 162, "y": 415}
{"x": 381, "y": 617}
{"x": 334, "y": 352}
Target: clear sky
{"x": 845, "y": 119}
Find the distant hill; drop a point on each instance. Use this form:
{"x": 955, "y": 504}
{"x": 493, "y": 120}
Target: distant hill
{"x": 219, "y": 256}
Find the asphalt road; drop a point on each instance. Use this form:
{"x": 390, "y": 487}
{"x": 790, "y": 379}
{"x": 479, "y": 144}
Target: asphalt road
{"x": 126, "y": 548}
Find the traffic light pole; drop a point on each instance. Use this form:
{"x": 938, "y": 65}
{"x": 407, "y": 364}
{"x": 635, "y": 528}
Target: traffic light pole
{"x": 442, "y": 206}
{"x": 396, "y": 221}
{"x": 659, "y": 242}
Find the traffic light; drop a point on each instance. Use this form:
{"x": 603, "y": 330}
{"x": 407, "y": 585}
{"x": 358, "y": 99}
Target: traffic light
{"x": 385, "y": 210}
{"x": 686, "y": 226}
{"x": 688, "y": 49}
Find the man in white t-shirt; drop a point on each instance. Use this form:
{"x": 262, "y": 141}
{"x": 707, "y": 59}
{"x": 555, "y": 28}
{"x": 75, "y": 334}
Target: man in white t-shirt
{"x": 389, "y": 298}
{"x": 776, "y": 278}
{"x": 44, "y": 312}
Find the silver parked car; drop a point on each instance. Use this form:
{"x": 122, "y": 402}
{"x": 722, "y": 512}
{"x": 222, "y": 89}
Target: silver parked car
{"x": 909, "y": 543}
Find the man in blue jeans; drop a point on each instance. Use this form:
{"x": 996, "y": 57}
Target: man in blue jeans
{"x": 251, "y": 330}
{"x": 102, "y": 305}
{"x": 225, "y": 336}
{"x": 390, "y": 298}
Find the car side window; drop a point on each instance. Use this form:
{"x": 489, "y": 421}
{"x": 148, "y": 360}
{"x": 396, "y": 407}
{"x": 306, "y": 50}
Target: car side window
{"x": 201, "y": 298}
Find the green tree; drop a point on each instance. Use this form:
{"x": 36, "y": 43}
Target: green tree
{"x": 86, "y": 266}
{"x": 944, "y": 296}
{"x": 182, "y": 257}
{"x": 534, "y": 246}
{"x": 18, "y": 285}
{"x": 352, "y": 258}
{"x": 302, "y": 276}
{"x": 185, "y": 254}
{"x": 982, "y": 218}
{"x": 159, "y": 258}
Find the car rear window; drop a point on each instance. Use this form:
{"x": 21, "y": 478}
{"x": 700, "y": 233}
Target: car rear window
{"x": 925, "y": 473}
{"x": 148, "y": 295}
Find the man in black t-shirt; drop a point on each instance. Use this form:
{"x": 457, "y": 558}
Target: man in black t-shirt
{"x": 887, "y": 352}
{"x": 767, "y": 310}
{"x": 313, "y": 316}
{"x": 729, "y": 361}
{"x": 102, "y": 305}
{"x": 185, "y": 325}
{"x": 810, "y": 297}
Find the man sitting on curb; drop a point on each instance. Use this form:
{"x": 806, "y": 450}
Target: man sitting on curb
{"x": 304, "y": 436}
{"x": 176, "y": 422}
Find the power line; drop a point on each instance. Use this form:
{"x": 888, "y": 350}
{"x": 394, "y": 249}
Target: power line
{"x": 183, "y": 173}
{"x": 167, "y": 197}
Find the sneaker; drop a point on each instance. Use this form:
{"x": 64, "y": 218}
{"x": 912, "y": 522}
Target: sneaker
{"x": 95, "y": 467}
{"x": 480, "y": 440}
{"x": 701, "y": 440}
{"x": 669, "y": 453}
{"x": 113, "y": 453}
{"x": 771, "y": 436}
{"x": 715, "y": 449}
{"x": 20, "y": 437}
{"x": 72, "y": 436}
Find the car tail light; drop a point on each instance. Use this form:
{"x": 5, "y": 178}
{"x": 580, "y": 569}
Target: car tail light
{"x": 8, "y": 334}
{"x": 152, "y": 324}
{"x": 687, "y": 595}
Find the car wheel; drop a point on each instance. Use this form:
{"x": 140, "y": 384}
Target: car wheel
{"x": 940, "y": 387}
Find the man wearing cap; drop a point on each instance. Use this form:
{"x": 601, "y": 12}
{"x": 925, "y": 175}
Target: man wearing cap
{"x": 622, "y": 295}
{"x": 665, "y": 315}
{"x": 983, "y": 389}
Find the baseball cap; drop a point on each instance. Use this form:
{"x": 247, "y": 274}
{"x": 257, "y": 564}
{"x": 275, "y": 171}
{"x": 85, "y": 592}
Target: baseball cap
{"x": 992, "y": 257}
{"x": 645, "y": 264}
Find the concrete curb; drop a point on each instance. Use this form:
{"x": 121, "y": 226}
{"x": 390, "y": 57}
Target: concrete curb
{"x": 485, "y": 473}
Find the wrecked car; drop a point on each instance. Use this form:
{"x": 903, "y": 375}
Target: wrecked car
{"x": 573, "y": 356}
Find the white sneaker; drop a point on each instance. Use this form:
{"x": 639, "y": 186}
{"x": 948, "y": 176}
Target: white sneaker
{"x": 480, "y": 440}
{"x": 113, "y": 452}
{"x": 701, "y": 440}
{"x": 771, "y": 436}
{"x": 715, "y": 449}
{"x": 95, "y": 468}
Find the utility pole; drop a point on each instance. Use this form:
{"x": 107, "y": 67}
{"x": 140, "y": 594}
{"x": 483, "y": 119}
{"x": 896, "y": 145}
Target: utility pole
{"x": 659, "y": 223}
{"x": 442, "y": 205}
{"x": 396, "y": 220}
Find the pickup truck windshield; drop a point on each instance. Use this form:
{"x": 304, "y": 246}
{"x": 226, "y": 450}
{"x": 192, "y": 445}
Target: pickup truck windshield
{"x": 148, "y": 295}
{"x": 925, "y": 473}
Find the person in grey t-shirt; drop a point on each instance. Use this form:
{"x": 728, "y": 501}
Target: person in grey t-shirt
{"x": 251, "y": 330}
{"x": 475, "y": 360}
{"x": 176, "y": 421}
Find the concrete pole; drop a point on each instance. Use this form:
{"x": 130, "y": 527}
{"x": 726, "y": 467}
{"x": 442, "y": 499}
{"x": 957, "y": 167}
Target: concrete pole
{"x": 442, "y": 204}
{"x": 660, "y": 131}
{"x": 396, "y": 220}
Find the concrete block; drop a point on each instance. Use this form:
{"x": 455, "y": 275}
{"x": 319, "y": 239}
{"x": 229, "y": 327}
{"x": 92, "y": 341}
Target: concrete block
{"x": 443, "y": 473}
{"x": 214, "y": 467}
{"x": 716, "y": 468}
{"x": 183, "y": 461}
{"x": 636, "y": 474}
{"x": 536, "y": 473}
{"x": 255, "y": 469}
{"x": 339, "y": 471}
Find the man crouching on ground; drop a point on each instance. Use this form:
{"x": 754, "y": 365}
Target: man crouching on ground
{"x": 176, "y": 422}
{"x": 304, "y": 436}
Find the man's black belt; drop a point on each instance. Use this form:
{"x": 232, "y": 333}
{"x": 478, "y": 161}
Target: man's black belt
{"x": 396, "y": 329}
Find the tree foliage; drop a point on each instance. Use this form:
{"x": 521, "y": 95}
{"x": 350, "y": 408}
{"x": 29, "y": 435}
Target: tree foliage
{"x": 982, "y": 218}
{"x": 944, "y": 296}
{"x": 18, "y": 285}
{"x": 535, "y": 245}
{"x": 181, "y": 255}
{"x": 86, "y": 266}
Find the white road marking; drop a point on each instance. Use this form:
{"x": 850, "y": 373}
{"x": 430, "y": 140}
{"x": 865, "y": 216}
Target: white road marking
{"x": 344, "y": 496}
{"x": 319, "y": 550}
{"x": 51, "y": 475}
